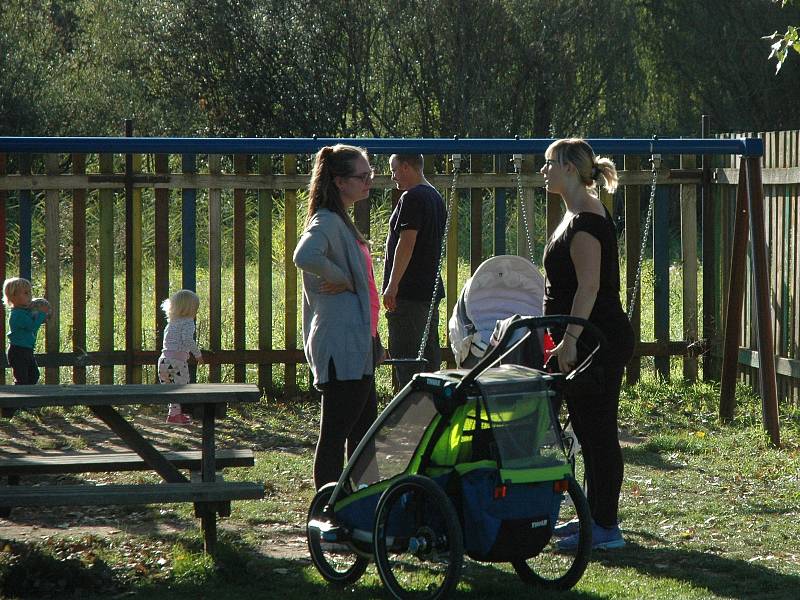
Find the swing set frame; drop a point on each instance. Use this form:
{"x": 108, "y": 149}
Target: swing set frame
{"x": 749, "y": 221}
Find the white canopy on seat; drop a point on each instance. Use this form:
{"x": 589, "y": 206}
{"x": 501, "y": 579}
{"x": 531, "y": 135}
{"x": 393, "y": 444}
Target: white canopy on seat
{"x": 501, "y": 286}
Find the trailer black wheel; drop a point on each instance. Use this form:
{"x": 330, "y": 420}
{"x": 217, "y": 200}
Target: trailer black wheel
{"x": 337, "y": 562}
{"x": 418, "y": 544}
{"x": 555, "y": 568}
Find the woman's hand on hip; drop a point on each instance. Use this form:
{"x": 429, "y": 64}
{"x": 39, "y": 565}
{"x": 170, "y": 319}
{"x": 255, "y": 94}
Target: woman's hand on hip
{"x": 326, "y": 287}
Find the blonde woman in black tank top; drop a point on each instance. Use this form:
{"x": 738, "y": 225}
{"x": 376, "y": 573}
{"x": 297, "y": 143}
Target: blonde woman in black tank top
{"x": 581, "y": 262}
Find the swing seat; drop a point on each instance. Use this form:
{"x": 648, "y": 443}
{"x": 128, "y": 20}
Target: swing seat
{"x": 502, "y": 286}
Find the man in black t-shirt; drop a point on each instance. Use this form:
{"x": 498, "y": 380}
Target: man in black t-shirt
{"x": 410, "y": 273}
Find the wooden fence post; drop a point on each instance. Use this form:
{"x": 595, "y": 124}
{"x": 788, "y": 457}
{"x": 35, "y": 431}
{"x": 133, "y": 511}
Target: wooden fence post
{"x": 52, "y": 268}
{"x": 265, "y": 272}
{"x": 526, "y": 221}
{"x": 162, "y": 250}
{"x": 239, "y": 259}
{"x": 3, "y": 230}
{"x": 451, "y": 284}
{"x": 25, "y": 222}
{"x": 78, "y": 268}
{"x": 106, "y": 200}
{"x": 794, "y": 297}
{"x": 189, "y": 226}
{"x": 133, "y": 255}
{"x": 189, "y": 234}
{"x": 661, "y": 277}
{"x": 290, "y": 271}
{"x": 499, "y": 246}
{"x": 214, "y": 268}
{"x": 689, "y": 263}
{"x": 476, "y": 216}
{"x": 633, "y": 244}
{"x": 135, "y": 324}
{"x": 709, "y": 258}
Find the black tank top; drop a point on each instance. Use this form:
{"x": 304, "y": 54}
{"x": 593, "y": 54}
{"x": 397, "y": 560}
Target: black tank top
{"x": 561, "y": 282}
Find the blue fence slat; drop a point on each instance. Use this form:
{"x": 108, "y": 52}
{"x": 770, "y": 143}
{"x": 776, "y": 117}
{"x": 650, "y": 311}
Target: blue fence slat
{"x": 189, "y": 227}
{"x": 122, "y": 145}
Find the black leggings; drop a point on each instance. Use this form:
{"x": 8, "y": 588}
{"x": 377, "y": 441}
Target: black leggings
{"x": 348, "y": 409}
{"x": 594, "y": 420}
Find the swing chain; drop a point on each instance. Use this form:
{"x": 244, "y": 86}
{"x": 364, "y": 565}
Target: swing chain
{"x": 521, "y": 201}
{"x": 655, "y": 164}
{"x": 456, "y": 160}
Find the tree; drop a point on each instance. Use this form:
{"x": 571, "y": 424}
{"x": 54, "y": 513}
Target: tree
{"x": 782, "y": 43}
{"x": 29, "y": 45}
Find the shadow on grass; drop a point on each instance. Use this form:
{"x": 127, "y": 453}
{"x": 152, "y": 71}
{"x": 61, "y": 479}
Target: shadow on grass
{"x": 134, "y": 519}
{"x": 724, "y": 577}
{"x": 644, "y": 457}
{"x": 73, "y": 569}
{"x": 272, "y": 578}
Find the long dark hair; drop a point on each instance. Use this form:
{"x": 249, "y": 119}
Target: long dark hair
{"x": 329, "y": 163}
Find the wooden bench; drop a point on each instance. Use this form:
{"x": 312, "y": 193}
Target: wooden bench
{"x": 211, "y": 496}
{"x": 154, "y": 493}
{"x": 97, "y": 462}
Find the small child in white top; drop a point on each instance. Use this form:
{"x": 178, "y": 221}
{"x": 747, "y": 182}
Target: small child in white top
{"x": 179, "y": 341}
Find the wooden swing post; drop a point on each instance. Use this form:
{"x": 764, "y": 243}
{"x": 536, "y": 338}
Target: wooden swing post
{"x": 750, "y": 203}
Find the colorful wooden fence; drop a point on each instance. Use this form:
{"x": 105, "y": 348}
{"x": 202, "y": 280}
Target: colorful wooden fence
{"x": 120, "y": 236}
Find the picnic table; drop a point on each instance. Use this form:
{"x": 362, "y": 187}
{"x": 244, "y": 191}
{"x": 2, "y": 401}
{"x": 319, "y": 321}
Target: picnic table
{"x": 207, "y": 402}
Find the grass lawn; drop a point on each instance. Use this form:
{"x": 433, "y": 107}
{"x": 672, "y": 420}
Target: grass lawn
{"x": 708, "y": 512}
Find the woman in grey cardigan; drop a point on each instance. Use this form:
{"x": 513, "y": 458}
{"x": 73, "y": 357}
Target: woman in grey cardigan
{"x": 340, "y": 306}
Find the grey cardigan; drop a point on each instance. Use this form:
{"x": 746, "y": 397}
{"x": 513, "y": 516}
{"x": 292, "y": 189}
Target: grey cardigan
{"x": 335, "y": 326}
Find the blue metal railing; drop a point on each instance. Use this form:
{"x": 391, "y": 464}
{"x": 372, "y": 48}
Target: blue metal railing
{"x": 123, "y": 145}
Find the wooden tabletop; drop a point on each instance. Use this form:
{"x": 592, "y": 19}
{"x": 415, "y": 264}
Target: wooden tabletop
{"x": 21, "y": 396}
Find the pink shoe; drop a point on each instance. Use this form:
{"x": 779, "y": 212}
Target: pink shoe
{"x": 179, "y": 419}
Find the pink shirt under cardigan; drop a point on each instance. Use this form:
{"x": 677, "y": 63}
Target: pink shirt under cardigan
{"x": 374, "y": 300}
